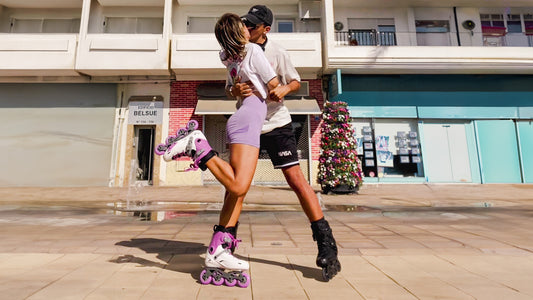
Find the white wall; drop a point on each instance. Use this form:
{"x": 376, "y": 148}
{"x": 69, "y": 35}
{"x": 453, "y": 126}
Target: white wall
{"x": 474, "y": 37}
{"x": 180, "y": 13}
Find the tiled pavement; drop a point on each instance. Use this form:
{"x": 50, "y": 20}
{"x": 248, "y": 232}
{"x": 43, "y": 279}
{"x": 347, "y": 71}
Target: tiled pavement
{"x": 395, "y": 242}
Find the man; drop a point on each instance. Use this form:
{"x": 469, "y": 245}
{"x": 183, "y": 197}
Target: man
{"x": 278, "y": 139}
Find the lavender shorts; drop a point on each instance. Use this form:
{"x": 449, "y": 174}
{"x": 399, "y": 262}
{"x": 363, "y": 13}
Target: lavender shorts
{"x": 244, "y": 126}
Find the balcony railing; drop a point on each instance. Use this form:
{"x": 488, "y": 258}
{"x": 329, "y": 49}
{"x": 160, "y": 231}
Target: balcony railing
{"x": 355, "y": 37}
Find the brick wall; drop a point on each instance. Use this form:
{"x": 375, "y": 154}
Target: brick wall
{"x": 183, "y": 101}
{"x": 315, "y": 91}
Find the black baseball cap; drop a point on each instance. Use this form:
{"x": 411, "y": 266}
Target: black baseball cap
{"x": 259, "y": 14}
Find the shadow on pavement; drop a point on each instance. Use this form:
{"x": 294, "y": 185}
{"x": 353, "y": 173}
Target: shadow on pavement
{"x": 307, "y": 272}
{"x": 167, "y": 249}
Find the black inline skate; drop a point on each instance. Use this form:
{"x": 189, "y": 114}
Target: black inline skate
{"x": 327, "y": 249}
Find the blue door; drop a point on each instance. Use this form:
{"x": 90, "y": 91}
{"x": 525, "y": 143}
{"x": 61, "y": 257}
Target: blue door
{"x": 525, "y": 135}
{"x": 498, "y": 151}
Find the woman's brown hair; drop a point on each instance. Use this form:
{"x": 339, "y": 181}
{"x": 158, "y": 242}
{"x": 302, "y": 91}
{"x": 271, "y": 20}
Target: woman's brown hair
{"x": 229, "y": 31}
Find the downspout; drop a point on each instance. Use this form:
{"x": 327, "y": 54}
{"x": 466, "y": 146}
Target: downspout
{"x": 456, "y": 26}
{"x": 309, "y": 151}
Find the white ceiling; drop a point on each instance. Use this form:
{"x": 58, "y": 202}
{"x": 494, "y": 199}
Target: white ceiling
{"x": 42, "y": 3}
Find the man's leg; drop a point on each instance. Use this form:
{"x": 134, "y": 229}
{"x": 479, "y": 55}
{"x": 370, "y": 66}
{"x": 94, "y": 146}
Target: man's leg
{"x": 307, "y": 196}
{"x": 281, "y": 146}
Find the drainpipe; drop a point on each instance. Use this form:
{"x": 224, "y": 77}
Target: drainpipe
{"x": 456, "y": 26}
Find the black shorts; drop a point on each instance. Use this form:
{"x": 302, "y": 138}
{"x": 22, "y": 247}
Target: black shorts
{"x": 280, "y": 144}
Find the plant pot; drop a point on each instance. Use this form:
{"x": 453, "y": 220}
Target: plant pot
{"x": 340, "y": 189}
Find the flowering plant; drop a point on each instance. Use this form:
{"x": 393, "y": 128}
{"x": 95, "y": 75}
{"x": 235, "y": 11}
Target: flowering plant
{"x": 338, "y": 161}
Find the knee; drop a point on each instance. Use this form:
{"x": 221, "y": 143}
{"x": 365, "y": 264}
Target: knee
{"x": 295, "y": 178}
{"x": 238, "y": 190}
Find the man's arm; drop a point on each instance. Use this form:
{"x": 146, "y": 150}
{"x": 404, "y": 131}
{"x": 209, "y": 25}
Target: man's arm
{"x": 279, "y": 93}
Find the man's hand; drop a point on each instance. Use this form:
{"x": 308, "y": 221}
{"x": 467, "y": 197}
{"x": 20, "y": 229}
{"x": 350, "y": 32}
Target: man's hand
{"x": 242, "y": 90}
{"x": 279, "y": 92}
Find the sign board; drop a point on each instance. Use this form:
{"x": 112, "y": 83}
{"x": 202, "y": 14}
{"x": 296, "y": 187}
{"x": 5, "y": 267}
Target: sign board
{"x": 145, "y": 112}
{"x": 335, "y": 85}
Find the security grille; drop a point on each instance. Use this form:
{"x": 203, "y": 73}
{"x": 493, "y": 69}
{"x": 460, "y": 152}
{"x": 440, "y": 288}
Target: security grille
{"x": 265, "y": 174}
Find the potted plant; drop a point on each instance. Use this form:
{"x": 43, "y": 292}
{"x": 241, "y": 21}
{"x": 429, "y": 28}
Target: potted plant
{"x": 339, "y": 169}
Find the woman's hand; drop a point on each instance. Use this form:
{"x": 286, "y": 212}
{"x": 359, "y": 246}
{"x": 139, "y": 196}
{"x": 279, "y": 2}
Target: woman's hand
{"x": 242, "y": 90}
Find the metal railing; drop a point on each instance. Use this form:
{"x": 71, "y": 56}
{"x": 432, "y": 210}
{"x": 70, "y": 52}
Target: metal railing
{"x": 365, "y": 38}
{"x": 368, "y": 37}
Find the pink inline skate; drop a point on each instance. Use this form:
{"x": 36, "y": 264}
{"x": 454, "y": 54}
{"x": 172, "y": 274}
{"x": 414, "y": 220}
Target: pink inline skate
{"x": 192, "y": 125}
{"x": 221, "y": 267}
{"x": 191, "y": 143}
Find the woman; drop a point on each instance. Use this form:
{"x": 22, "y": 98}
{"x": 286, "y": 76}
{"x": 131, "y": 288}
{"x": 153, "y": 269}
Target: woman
{"x": 247, "y": 62}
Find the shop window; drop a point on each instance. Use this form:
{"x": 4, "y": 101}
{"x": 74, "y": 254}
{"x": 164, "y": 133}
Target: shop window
{"x": 389, "y": 148}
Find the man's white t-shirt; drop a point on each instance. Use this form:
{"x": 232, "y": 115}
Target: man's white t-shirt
{"x": 277, "y": 113}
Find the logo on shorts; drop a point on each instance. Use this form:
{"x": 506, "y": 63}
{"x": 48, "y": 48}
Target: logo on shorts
{"x": 285, "y": 153}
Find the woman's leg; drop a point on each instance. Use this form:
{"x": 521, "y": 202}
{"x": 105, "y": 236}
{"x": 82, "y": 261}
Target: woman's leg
{"x": 236, "y": 177}
{"x": 231, "y": 211}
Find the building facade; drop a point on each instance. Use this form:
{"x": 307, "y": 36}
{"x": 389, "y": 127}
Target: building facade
{"x": 439, "y": 93}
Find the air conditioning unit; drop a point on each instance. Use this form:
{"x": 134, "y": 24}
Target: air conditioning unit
{"x": 301, "y": 93}
{"x": 309, "y": 10}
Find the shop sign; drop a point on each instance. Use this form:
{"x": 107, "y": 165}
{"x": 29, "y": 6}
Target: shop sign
{"x": 145, "y": 112}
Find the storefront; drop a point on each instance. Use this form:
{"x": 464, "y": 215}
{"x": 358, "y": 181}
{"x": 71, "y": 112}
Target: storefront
{"x": 56, "y": 134}
{"x": 441, "y": 128}
{"x": 215, "y": 109}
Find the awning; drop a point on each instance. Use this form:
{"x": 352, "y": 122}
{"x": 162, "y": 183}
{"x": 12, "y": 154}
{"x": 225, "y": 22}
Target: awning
{"x": 302, "y": 106}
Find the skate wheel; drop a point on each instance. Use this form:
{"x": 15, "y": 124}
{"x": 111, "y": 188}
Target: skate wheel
{"x": 170, "y": 139}
{"x": 204, "y": 278}
{"x": 330, "y": 271}
{"x": 192, "y": 125}
{"x": 244, "y": 281}
{"x": 181, "y": 133}
{"x": 338, "y": 266}
{"x": 160, "y": 149}
{"x": 231, "y": 282}
{"x": 325, "y": 274}
{"x": 218, "y": 279}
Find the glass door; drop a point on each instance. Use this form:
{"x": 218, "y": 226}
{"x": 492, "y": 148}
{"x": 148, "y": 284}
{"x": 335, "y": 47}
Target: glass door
{"x": 144, "y": 150}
